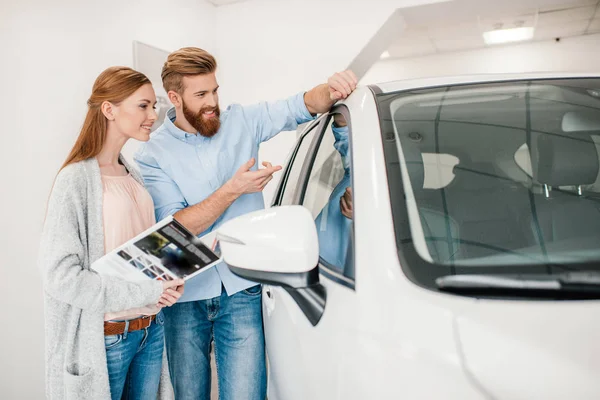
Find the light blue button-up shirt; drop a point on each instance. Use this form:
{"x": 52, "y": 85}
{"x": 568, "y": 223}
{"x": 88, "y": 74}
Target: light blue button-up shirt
{"x": 182, "y": 169}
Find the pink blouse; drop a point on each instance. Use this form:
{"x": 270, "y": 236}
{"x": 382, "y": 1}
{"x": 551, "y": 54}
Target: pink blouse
{"x": 128, "y": 210}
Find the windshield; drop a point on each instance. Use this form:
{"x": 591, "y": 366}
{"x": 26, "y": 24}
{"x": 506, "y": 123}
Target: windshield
{"x": 495, "y": 178}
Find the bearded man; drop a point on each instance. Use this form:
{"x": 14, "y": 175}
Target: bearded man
{"x": 199, "y": 166}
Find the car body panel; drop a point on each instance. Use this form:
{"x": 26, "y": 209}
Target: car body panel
{"x": 533, "y": 350}
{"x": 387, "y": 338}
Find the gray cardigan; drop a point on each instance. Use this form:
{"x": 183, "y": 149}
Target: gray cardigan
{"x": 75, "y": 297}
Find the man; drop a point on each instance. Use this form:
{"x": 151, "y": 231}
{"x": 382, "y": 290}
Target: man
{"x": 200, "y": 167}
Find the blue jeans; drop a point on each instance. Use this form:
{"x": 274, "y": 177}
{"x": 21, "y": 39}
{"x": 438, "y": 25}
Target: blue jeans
{"x": 234, "y": 324}
{"x": 135, "y": 361}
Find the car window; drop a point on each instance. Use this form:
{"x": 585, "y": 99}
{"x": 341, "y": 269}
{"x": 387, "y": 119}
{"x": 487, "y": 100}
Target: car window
{"x": 328, "y": 196}
{"x": 499, "y": 177}
{"x": 289, "y": 183}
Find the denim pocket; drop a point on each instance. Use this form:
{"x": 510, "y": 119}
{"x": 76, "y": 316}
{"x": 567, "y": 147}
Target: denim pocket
{"x": 111, "y": 341}
{"x": 160, "y": 319}
{"x": 253, "y": 291}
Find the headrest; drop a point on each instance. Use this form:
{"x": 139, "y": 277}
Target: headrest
{"x": 564, "y": 160}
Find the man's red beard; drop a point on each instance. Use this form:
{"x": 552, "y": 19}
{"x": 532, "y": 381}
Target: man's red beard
{"x": 206, "y": 127}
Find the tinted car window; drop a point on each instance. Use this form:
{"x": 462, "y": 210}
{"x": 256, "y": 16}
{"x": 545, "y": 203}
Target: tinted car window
{"x": 329, "y": 196}
{"x": 496, "y": 175}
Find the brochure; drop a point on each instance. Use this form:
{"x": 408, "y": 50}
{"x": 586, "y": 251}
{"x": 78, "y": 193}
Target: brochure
{"x": 165, "y": 251}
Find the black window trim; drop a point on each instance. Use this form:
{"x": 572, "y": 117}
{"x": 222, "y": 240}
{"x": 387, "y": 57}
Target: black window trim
{"x": 311, "y": 154}
{"x": 336, "y": 276}
{"x": 284, "y": 178}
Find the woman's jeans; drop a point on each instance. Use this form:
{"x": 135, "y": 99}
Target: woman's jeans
{"x": 135, "y": 361}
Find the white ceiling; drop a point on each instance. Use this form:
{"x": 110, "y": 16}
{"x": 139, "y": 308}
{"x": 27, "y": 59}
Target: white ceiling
{"x": 459, "y": 25}
{"x": 218, "y": 3}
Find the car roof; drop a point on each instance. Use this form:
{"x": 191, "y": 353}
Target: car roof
{"x": 409, "y": 84}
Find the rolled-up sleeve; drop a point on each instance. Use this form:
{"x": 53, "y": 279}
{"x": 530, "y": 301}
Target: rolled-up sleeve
{"x": 165, "y": 193}
{"x": 267, "y": 119}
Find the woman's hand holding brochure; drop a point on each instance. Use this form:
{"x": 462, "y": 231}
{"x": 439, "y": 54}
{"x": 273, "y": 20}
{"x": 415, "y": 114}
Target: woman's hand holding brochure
{"x": 172, "y": 291}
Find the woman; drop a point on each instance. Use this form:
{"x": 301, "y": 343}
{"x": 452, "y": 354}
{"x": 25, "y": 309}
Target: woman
{"x": 104, "y": 335}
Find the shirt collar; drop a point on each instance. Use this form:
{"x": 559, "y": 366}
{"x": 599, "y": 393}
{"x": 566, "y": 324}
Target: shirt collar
{"x": 175, "y": 131}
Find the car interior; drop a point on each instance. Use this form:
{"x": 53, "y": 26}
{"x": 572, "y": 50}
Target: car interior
{"x": 504, "y": 173}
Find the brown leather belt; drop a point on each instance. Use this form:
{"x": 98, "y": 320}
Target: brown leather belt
{"x": 118, "y": 328}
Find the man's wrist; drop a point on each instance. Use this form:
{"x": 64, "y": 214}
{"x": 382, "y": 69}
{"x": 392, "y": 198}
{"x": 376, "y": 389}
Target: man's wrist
{"x": 318, "y": 100}
{"x": 307, "y": 106}
{"x": 230, "y": 191}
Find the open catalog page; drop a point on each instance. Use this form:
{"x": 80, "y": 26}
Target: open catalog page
{"x": 165, "y": 251}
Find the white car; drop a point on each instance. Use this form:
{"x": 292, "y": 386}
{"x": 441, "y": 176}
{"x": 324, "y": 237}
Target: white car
{"x": 469, "y": 266}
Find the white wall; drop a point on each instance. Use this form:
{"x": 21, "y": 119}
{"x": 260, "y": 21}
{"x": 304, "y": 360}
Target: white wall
{"x": 575, "y": 54}
{"x": 266, "y": 49}
{"x": 270, "y": 49}
{"x": 51, "y": 53}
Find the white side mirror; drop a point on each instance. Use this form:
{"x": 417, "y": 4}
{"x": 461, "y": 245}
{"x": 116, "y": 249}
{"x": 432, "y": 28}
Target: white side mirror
{"x": 279, "y": 239}
{"x": 277, "y": 246}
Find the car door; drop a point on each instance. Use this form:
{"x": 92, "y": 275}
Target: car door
{"x": 305, "y": 361}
